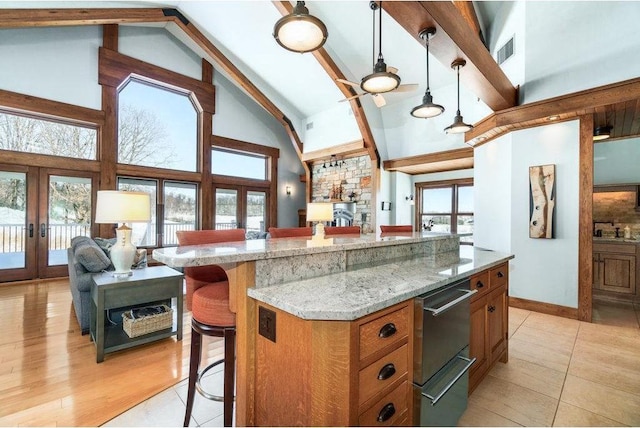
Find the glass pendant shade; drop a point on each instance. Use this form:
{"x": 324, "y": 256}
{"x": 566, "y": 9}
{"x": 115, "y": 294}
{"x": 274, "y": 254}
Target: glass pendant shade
{"x": 299, "y": 31}
{"x": 458, "y": 126}
{"x": 427, "y": 109}
{"x": 380, "y": 80}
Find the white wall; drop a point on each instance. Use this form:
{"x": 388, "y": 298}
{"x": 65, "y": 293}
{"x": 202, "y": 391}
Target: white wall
{"x": 617, "y": 162}
{"x": 330, "y": 128}
{"x": 402, "y": 212}
{"x": 61, "y": 64}
{"x": 544, "y": 270}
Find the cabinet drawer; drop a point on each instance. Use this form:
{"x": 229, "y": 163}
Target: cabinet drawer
{"x": 383, "y": 331}
{"x": 622, "y": 248}
{"x": 498, "y": 275}
{"x": 389, "y": 410}
{"x": 376, "y": 377}
{"x": 480, "y": 282}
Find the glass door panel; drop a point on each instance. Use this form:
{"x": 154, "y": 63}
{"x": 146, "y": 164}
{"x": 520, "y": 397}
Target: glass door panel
{"x": 64, "y": 212}
{"x": 256, "y": 215}
{"x": 227, "y": 209}
{"x": 180, "y": 210}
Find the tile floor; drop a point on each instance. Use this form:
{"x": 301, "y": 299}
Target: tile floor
{"x": 561, "y": 372}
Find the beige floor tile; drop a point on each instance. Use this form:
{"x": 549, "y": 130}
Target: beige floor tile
{"x": 620, "y": 314}
{"x": 619, "y": 337}
{"x": 205, "y": 410}
{"x": 608, "y": 365}
{"x": 477, "y": 416}
{"x": 521, "y": 405}
{"x": 161, "y": 410}
{"x": 602, "y": 400}
{"x": 553, "y": 324}
{"x": 542, "y": 347}
{"x": 518, "y": 315}
{"x": 572, "y": 416}
{"x": 530, "y": 375}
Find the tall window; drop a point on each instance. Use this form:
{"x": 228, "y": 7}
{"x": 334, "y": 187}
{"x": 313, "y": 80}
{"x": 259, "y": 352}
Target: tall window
{"x": 174, "y": 207}
{"x": 157, "y": 127}
{"x": 447, "y": 207}
{"x": 46, "y": 137}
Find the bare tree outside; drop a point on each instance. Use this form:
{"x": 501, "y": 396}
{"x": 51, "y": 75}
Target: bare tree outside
{"x": 142, "y": 138}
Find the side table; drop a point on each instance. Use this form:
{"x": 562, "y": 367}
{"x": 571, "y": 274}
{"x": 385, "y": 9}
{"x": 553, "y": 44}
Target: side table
{"x": 143, "y": 286}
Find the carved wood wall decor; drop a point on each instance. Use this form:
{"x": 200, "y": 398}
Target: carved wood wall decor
{"x": 542, "y": 200}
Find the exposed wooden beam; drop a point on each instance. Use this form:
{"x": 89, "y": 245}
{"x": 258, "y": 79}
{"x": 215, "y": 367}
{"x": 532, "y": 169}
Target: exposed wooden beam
{"x": 334, "y": 72}
{"x": 433, "y": 162}
{"x": 564, "y": 107}
{"x": 455, "y": 39}
{"x": 347, "y": 149}
{"x": 468, "y": 12}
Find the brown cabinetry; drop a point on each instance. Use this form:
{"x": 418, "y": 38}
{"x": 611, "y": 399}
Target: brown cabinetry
{"x": 489, "y": 321}
{"x": 333, "y": 373}
{"x": 614, "y": 267}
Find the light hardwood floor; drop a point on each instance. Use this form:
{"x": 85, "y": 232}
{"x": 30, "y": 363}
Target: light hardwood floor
{"x": 561, "y": 372}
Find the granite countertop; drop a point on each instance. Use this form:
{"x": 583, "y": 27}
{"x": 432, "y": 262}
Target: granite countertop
{"x": 261, "y": 249}
{"x": 363, "y": 290}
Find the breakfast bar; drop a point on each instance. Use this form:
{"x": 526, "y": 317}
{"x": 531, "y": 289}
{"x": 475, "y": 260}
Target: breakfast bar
{"x": 302, "y": 308}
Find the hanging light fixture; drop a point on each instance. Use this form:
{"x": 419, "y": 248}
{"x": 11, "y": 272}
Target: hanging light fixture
{"x": 602, "y": 133}
{"x": 458, "y": 126}
{"x": 299, "y": 31}
{"x": 381, "y": 80}
{"x": 427, "y": 109}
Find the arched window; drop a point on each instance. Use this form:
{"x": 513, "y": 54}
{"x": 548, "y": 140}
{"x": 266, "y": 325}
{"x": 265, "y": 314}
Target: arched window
{"x": 157, "y": 127}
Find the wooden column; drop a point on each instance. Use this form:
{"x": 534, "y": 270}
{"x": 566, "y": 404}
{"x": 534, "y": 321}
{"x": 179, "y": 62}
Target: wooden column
{"x": 108, "y": 134}
{"x": 585, "y": 215}
{"x": 206, "y": 191}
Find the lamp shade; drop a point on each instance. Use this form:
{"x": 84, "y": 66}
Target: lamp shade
{"x": 319, "y": 211}
{"x": 601, "y": 133}
{"x": 299, "y": 31}
{"x": 114, "y": 206}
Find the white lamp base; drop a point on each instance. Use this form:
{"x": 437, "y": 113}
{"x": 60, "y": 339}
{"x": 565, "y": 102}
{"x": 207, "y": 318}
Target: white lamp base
{"x": 319, "y": 234}
{"x": 123, "y": 252}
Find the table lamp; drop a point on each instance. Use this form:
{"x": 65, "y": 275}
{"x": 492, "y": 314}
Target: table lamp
{"x": 114, "y": 206}
{"x": 320, "y": 212}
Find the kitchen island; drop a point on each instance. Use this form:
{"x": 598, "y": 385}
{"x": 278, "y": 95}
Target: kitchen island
{"x": 300, "y": 308}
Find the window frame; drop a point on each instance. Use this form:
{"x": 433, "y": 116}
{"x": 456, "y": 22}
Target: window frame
{"x": 454, "y": 185}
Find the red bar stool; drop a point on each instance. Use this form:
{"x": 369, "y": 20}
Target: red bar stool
{"x": 208, "y": 299}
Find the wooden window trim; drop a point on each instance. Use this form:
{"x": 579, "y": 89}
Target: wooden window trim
{"x": 454, "y": 184}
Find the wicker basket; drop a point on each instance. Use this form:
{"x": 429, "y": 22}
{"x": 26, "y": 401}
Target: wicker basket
{"x": 149, "y": 324}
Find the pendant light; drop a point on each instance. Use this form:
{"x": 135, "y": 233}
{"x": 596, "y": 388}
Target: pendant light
{"x": 458, "y": 126}
{"x": 427, "y": 109}
{"x": 299, "y": 31}
{"x": 381, "y": 80}
{"x": 602, "y": 133}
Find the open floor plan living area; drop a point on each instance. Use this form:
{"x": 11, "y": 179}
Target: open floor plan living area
{"x": 319, "y": 213}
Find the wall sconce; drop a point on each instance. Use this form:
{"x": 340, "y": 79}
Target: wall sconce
{"x": 288, "y": 190}
{"x": 410, "y": 200}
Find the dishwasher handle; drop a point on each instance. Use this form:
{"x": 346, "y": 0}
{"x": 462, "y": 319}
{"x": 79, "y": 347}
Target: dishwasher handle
{"x": 441, "y": 394}
{"x": 437, "y": 311}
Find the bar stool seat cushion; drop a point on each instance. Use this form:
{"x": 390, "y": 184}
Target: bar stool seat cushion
{"x": 210, "y": 305}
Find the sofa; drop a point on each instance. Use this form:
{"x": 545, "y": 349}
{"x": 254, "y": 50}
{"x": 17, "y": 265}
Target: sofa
{"x": 85, "y": 258}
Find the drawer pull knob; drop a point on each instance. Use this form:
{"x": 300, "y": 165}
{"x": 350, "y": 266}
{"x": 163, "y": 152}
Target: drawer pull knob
{"x": 492, "y": 308}
{"x": 386, "y": 372}
{"x": 479, "y": 284}
{"x": 386, "y": 412}
{"x": 500, "y": 274}
{"x": 387, "y": 330}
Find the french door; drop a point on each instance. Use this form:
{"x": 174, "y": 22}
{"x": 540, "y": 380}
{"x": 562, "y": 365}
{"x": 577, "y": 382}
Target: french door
{"x": 238, "y": 207}
{"x": 41, "y": 209}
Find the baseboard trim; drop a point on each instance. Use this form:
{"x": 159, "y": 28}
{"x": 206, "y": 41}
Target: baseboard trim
{"x": 545, "y": 308}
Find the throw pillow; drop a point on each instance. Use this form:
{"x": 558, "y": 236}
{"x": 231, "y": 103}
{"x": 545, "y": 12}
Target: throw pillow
{"x": 92, "y": 257}
{"x": 105, "y": 244}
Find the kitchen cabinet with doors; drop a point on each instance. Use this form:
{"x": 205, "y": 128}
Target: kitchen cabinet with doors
{"x": 488, "y": 342}
{"x": 615, "y": 268}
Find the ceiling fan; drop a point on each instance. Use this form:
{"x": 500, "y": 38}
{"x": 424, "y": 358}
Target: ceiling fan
{"x": 384, "y": 78}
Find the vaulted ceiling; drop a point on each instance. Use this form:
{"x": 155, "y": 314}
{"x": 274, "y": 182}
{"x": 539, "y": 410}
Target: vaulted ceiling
{"x": 303, "y": 89}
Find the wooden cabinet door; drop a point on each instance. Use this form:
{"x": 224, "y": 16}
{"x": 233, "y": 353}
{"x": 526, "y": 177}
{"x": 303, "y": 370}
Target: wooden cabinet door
{"x": 618, "y": 273}
{"x": 596, "y": 271}
{"x": 497, "y": 321}
{"x": 479, "y": 341}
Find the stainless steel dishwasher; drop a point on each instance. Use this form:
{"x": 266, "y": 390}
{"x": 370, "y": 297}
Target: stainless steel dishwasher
{"x": 441, "y": 355}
